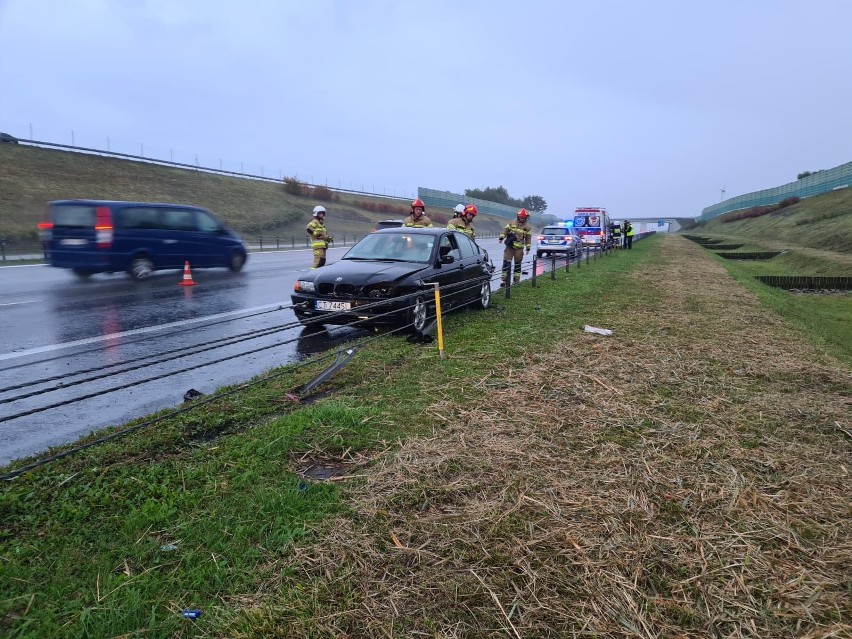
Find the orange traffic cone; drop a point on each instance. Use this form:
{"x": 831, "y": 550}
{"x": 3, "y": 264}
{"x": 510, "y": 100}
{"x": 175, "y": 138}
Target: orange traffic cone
{"x": 187, "y": 276}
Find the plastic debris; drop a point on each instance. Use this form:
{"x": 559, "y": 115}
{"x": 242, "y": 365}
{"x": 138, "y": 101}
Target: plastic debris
{"x": 595, "y": 329}
{"x": 168, "y": 548}
{"x": 192, "y": 613}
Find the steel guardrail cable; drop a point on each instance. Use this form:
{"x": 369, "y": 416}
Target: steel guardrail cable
{"x": 146, "y": 338}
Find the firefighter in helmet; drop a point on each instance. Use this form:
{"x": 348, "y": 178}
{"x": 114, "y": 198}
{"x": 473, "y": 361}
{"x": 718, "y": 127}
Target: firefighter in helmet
{"x": 517, "y": 236}
{"x": 418, "y": 219}
{"x": 320, "y": 239}
{"x": 464, "y": 222}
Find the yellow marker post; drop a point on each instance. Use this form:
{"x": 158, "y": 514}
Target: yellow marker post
{"x": 438, "y": 318}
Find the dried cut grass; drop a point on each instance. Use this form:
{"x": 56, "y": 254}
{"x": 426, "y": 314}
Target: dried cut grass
{"x": 691, "y": 480}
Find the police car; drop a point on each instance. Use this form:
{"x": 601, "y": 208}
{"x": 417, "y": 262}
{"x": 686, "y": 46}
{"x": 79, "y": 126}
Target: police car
{"x": 559, "y": 238}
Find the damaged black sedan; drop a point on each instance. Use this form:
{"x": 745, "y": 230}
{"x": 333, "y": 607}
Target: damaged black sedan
{"x": 388, "y": 278}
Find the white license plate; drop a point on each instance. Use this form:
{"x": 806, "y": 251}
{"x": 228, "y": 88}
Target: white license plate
{"x": 322, "y": 305}
{"x": 73, "y": 242}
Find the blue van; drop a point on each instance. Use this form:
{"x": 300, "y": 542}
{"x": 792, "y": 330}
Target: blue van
{"x": 100, "y": 236}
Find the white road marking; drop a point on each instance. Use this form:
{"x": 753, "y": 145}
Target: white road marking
{"x": 138, "y": 331}
{"x": 17, "y": 303}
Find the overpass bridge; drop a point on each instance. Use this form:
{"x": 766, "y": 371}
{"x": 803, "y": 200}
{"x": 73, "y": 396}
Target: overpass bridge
{"x": 647, "y": 224}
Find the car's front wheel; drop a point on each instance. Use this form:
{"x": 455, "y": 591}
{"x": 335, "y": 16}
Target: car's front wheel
{"x": 236, "y": 262}
{"x": 419, "y": 314}
{"x": 484, "y": 295}
{"x": 141, "y": 268}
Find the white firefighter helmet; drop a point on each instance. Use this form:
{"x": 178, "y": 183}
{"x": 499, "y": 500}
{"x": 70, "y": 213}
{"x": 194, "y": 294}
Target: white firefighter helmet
{"x": 318, "y": 210}
{"x": 459, "y": 208}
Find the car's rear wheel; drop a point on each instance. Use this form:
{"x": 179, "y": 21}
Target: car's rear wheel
{"x": 236, "y": 263}
{"x": 82, "y": 273}
{"x": 141, "y": 268}
{"x": 419, "y": 314}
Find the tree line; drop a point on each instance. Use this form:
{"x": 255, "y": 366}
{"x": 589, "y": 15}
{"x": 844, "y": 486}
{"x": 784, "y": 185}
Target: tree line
{"x": 500, "y": 195}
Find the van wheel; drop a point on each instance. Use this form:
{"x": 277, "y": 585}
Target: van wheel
{"x": 539, "y": 254}
{"x": 83, "y": 274}
{"x": 237, "y": 262}
{"x": 141, "y": 268}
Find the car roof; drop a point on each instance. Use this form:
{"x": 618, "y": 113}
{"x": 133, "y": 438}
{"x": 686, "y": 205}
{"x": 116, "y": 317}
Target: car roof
{"x": 419, "y": 231}
{"x": 120, "y": 203}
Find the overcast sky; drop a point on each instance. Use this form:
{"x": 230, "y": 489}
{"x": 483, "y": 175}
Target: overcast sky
{"x": 648, "y": 108}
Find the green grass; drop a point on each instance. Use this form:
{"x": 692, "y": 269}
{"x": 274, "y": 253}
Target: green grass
{"x": 822, "y": 222}
{"x": 84, "y": 541}
{"x": 825, "y": 320}
{"x": 81, "y": 539}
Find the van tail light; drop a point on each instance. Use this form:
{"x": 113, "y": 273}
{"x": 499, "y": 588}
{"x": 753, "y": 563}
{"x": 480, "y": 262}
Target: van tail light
{"x": 45, "y": 231}
{"x": 103, "y": 227}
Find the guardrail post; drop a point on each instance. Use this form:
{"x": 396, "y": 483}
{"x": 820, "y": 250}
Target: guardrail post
{"x": 292, "y": 241}
{"x": 277, "y": 243}
{"x": 261, "y": 242}
{"x": 3, "y": 248}
{"x": 553, "y": 266}
{"x": 508, "y": 286}
{"x": 535, "y": 264}
{"x": 567, "y": 263}
{"x": 588, "y": 248}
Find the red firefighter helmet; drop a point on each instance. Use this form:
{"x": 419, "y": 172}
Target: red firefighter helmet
{"x": 416, "y": 203}
{"x": 523, "y": 216}
{"x": 470, "y": 210}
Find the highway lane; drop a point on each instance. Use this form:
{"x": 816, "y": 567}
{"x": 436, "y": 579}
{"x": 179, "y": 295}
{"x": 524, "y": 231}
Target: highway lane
{"x": 53, "y": 324}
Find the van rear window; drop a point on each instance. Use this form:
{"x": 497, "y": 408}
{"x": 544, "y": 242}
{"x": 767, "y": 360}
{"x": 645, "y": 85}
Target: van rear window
{"x": 73, "y": 216}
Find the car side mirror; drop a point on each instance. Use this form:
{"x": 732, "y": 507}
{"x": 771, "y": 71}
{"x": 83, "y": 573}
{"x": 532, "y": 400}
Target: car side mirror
{"x": 447, "y": 259}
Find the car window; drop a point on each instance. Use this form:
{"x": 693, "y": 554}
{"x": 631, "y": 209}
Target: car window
{"x": 207, "y": 223}
{"x": 179, "y": 220}
{"x": 138, "y": 217}
{"x": 73, "y": 216}
{"x": 406, "y": 247}
{"x": 465, "y": 245}
{"x": 555, "y": 230}
{"x": 449, "y": 246}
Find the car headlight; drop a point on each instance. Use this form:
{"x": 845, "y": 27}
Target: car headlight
{"x": 304, "y": 286}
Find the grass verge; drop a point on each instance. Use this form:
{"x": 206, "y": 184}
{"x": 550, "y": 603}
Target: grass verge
{"x": 687, "y": 476}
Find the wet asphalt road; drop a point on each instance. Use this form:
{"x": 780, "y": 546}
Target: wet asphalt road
{"x": 53, "y": 325}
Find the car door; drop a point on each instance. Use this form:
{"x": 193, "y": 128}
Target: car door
{"x": 180, "y": 241}
{"x": 473, "y": 271}
{"x": 450, "y": 277}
